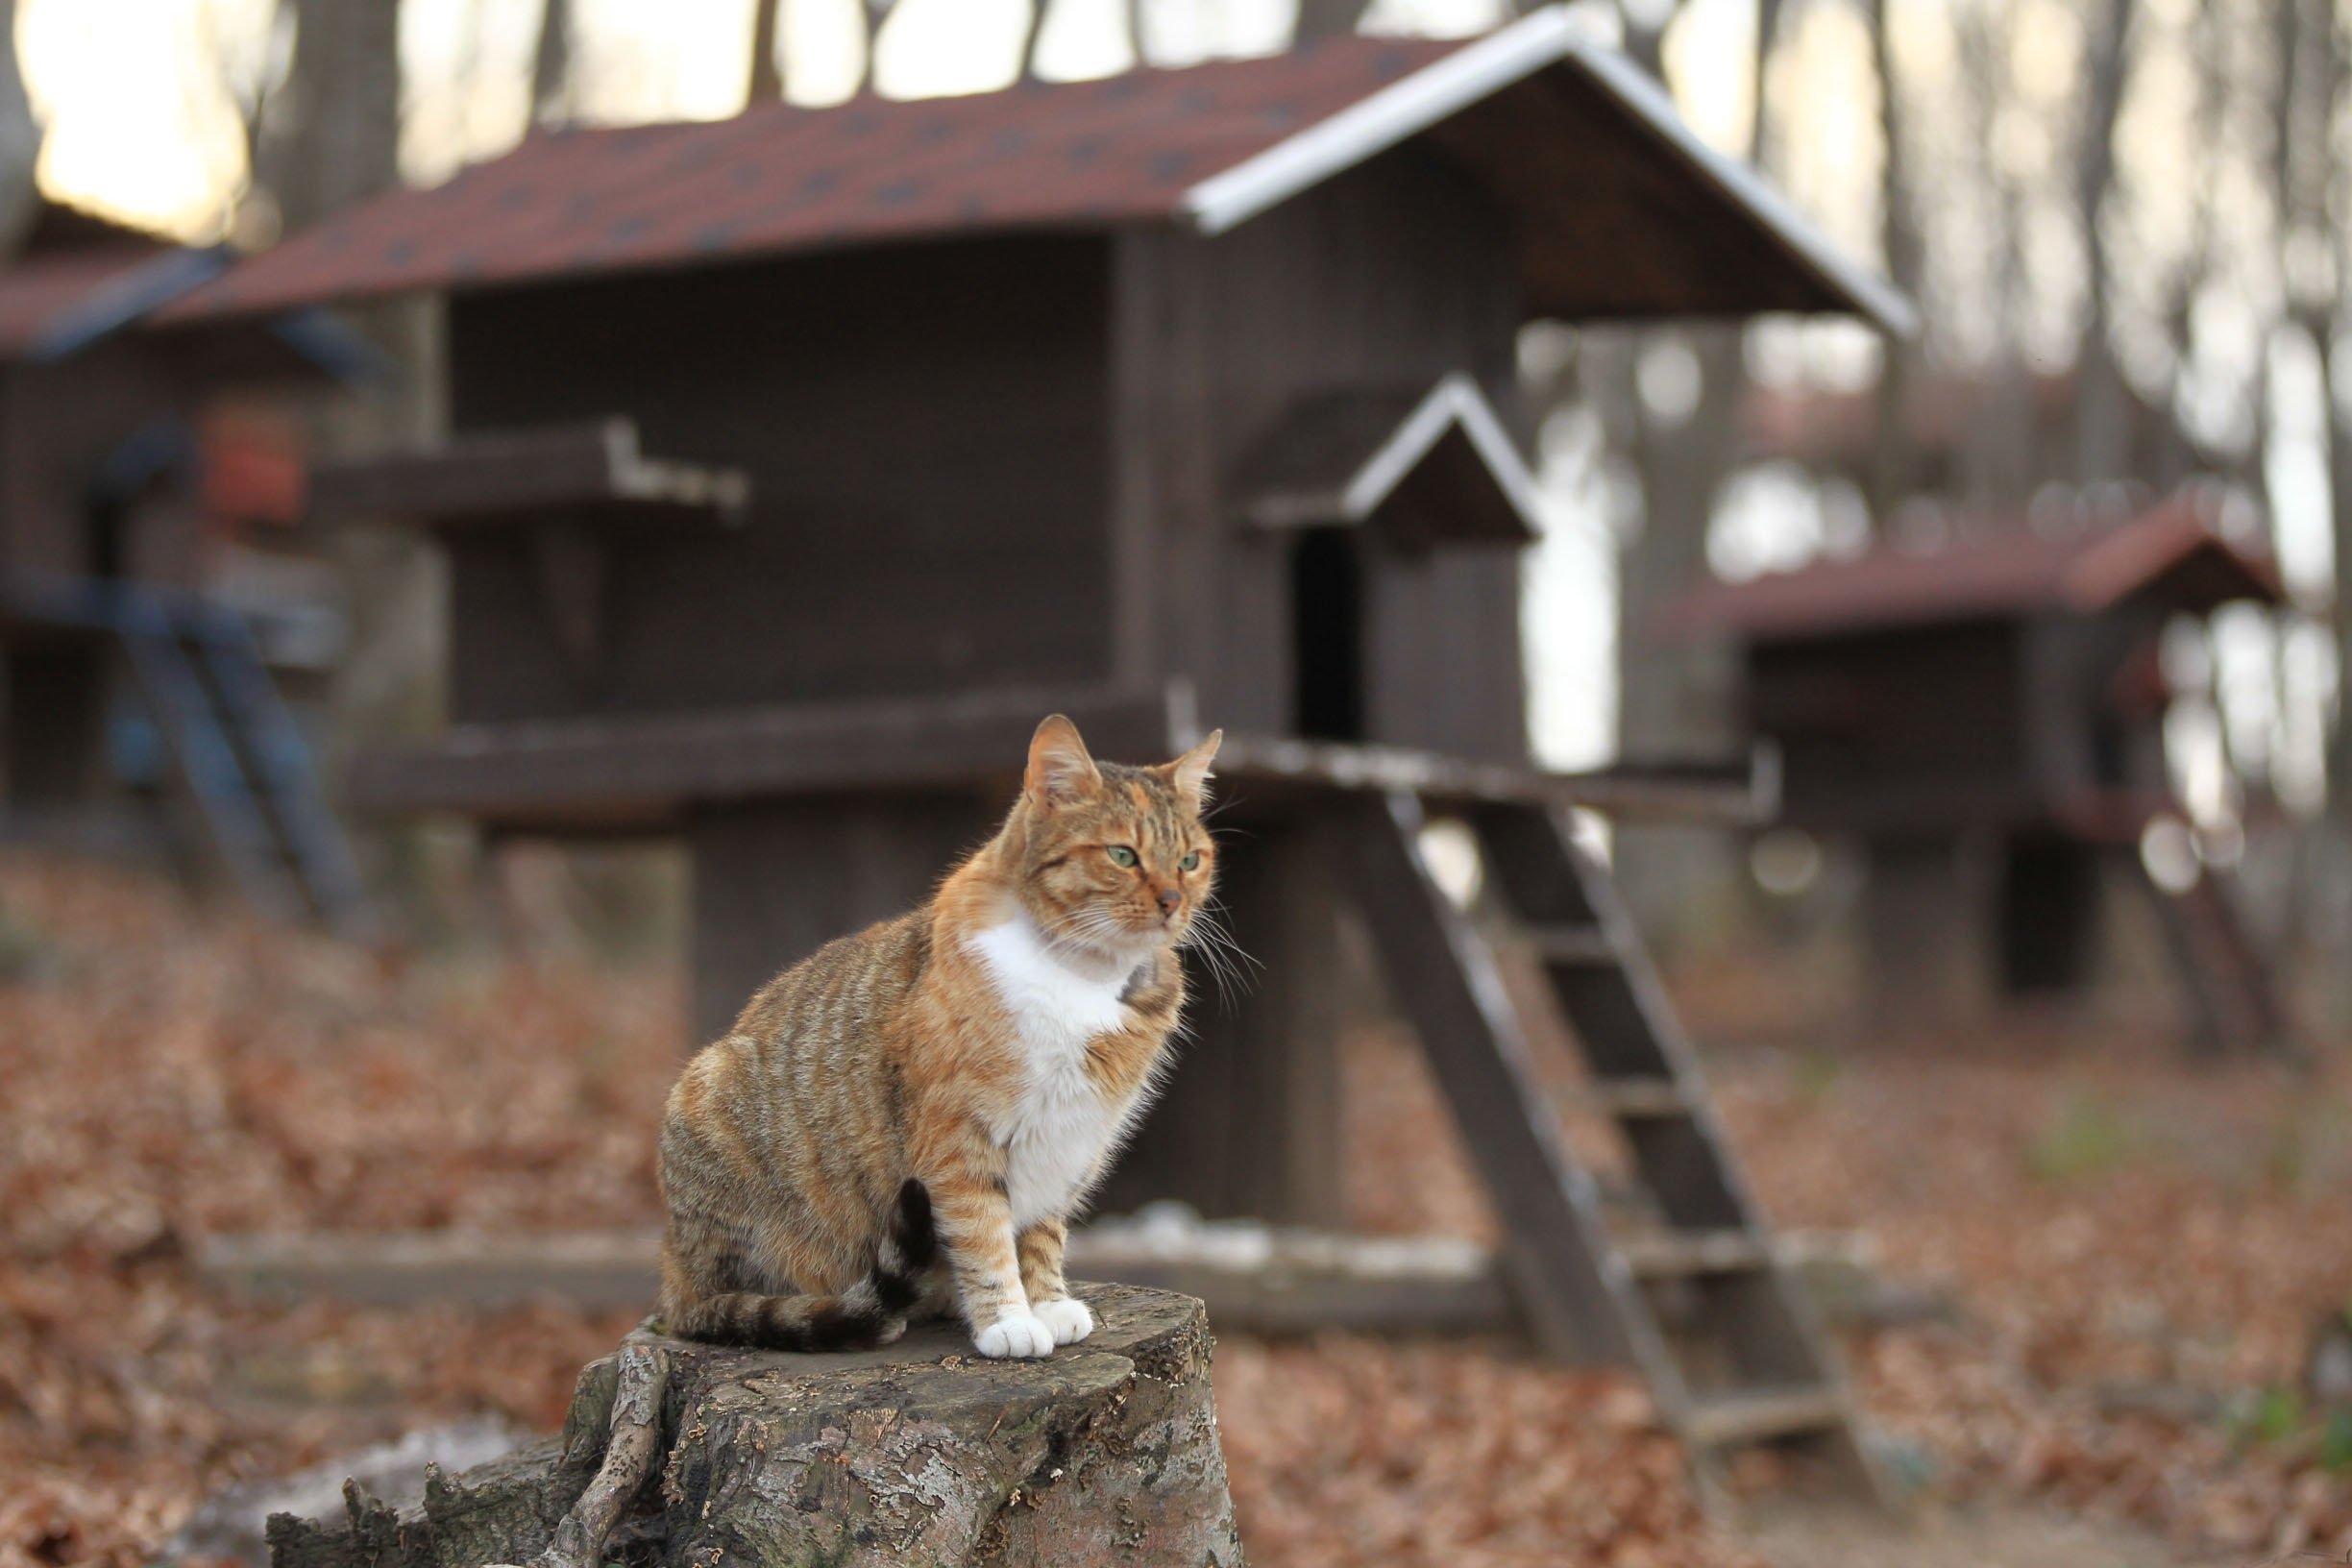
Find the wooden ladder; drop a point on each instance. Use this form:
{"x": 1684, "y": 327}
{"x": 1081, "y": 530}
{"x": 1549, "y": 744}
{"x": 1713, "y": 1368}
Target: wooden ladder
{"x": 232, "y": 740}
{"x": 1704, "y": 1309}
{"x": 2235, "y": 999}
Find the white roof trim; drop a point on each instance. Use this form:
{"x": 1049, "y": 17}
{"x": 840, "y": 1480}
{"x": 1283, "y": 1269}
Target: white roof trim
{"x": 1453, "y": 401}
{"x": 1403, "y": 108}
{"x": 1412, "y": 104}
{"x": 1641, "y": 94}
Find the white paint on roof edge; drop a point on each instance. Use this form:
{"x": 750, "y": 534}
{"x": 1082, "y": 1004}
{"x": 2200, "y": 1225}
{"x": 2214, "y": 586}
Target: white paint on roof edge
{"x": 1403, "y": 108}
{"x": 1453, "y": 401}
{"x": 1412, "y": 104}
{"x": 1873, "y": 296}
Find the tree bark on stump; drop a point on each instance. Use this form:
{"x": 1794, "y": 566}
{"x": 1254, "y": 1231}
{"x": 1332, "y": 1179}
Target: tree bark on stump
{"x": 676, "y": 1452}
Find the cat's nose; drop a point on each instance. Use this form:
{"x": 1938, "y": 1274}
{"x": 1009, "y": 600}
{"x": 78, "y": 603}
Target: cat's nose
{"x": 1170, "y": 898}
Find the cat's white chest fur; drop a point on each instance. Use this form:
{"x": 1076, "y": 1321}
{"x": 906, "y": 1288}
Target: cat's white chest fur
{"x": 1061, "y": 1123}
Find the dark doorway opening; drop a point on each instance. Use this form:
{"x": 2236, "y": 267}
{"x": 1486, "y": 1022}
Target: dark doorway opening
{"x": 2049, "y": 906}
{"x": 1327, "y": 614}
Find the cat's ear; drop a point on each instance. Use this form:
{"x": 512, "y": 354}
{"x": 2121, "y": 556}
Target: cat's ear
{"x": 1190, "y": 773}
{"x": 1059, "y": 769}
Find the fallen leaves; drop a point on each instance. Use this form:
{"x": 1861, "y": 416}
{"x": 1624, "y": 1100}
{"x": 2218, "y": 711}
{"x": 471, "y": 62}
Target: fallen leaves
{"x": 2130, "y": 1244}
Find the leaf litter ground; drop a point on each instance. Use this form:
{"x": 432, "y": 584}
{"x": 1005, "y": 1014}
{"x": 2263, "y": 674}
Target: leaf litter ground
{"x": 2134, "y": 1254}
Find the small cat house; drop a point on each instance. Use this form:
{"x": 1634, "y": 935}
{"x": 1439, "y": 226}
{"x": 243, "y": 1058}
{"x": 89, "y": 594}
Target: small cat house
{"x": 2005, "y": 687}
{"x": 126, "y": 459}
{"x": 798, "y": 462}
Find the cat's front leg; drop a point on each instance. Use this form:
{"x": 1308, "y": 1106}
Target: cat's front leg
{"x": 973, "y": 1218}
{"x": 1040, "y": 1270}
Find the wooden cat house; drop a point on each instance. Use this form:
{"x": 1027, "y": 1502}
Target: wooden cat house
{"x": 132, "y": 698}
{"x": 2004, "y": 691}
{"x": 799, "y": 462}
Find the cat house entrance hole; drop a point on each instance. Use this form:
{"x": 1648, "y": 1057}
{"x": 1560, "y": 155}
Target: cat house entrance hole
{"x": 1326, "y": 616}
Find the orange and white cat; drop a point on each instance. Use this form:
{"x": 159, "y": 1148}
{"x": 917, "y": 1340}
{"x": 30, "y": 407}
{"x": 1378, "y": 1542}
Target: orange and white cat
{"x": 904, "y": 1123}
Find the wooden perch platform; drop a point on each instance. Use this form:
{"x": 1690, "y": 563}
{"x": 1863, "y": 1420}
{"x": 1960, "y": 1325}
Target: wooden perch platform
{"x": 641, "y": 772}
{"x": 921, "y": 1453}
{"x": 591, "y": 471}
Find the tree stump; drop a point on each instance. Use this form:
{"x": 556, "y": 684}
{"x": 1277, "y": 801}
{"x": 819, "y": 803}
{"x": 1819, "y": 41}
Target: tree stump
{"x": 683, "y": 1453}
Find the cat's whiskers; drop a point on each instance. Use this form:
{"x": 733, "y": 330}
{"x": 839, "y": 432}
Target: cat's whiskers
{"x": 1224, "y": 958}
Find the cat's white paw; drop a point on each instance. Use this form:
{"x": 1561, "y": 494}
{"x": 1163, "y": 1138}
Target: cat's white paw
{"x": 1015, "y": 1334}
{"x": 1067, "y": 1318}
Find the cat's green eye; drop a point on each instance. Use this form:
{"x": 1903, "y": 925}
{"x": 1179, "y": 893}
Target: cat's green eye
{"x": 1191, "y": 862}
{"x": 1121, "y": 855}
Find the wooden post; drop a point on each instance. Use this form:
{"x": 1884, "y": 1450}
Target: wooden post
{"x": 774, "y": 881}
{"x": 1250, "y": 1123}
{"x": 1923, "y": 950}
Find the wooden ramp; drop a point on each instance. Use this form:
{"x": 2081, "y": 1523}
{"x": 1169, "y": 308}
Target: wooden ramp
{"x": 1702, "y": 1308}
{"x": 2235, "y": 1006}
{"x": 232, "y": 744}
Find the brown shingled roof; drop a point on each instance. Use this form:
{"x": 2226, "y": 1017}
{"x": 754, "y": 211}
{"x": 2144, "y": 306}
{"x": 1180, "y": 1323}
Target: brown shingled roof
{"x": 68, "y": 257}
{"x": 1621, "y": 211}
{"x": 2011, "y": 571}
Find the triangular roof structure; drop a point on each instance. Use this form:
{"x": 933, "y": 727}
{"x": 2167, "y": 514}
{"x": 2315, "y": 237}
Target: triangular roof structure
{"x": 1423, "y": 469}
{"x": 1619, "y": 210}
{"x": 79, "y": 278}
{"x": 2169, "y": 549}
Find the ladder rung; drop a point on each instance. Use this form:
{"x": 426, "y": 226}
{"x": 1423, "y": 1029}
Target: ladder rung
{"x": 1677, "y": 1253}
{"x": 1627, "y": 1098}
{"x": 1571, "y": 944}
{"x": 1754, "y": 1415}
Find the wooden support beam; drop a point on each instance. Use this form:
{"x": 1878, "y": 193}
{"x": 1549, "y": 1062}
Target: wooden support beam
{"x": 509, "y": 478}
{"x": 1256, "y": 1278}
{"x": 646, "y": 769}
{"x": 642, "y": 769}
{"x": 1249, "y": 1121}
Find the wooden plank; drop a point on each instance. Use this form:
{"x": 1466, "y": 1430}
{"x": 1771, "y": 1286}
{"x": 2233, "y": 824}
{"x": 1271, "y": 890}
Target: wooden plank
{"x": 1719, "y": 791}
{"x": 1444, "y": 979}
{"x": 538, "y": 770}
{"x": 1627, "y": 1098}
{"x": 1677, "y": 1254}
{"x": 520, "y": 476}
{"x": 595, "y": 1269}
{"x": 1754, "y": 1415}
{"x": 643, "y": 768}
{"x": 1255, "y": 1279}
{"x": 1576, "y": 945}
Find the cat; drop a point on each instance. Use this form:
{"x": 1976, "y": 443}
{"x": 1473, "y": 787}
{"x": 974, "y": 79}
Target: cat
{"x": 903, "y": 1123}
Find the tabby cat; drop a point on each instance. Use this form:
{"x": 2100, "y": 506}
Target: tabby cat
{"x": 903, "y": 1122}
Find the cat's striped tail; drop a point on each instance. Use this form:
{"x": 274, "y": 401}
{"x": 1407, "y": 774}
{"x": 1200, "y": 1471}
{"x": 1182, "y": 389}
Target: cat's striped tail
{"x": 873, "y": 1312}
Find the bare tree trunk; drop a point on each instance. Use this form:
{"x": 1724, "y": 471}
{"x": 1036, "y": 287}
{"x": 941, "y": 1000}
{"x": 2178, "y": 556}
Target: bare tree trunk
{"x": 1329, "y": 19}
{"x": 339, "y": 139}
{"x": 551, "y": 65}
{"x": 915, "y": 1456}
{"x": 2327, "y": 206}
{"x": 1898, "y": 240}
{"x": 2002, "y": 468}
{"x": 21, "y": 140}
{"x": 878, "y": 12}
{"x": 1035, "y": 30}
{"x": 1673, "y": 697}
{"x": 1139, "y": 30}
{"x": 333, "y": 140}
{"x": 2102, "y": 411}
{"x": 767, "y": 78}
{"x": 2339, "y": 385}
